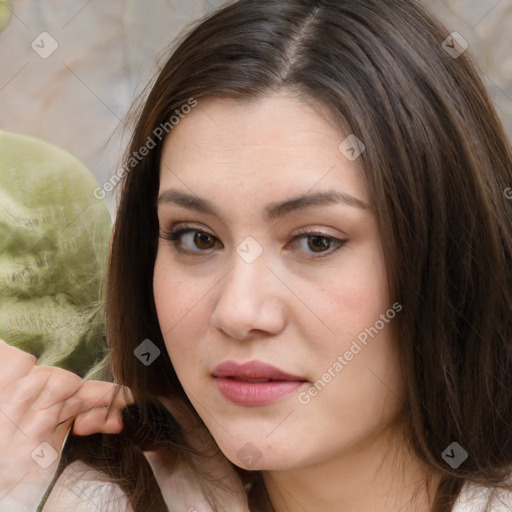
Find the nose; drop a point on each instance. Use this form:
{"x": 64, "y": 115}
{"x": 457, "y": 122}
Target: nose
{"x": 250, "y": 301}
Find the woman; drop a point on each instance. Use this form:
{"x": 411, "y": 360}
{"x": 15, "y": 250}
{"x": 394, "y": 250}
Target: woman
{"x": 315, "y": 256}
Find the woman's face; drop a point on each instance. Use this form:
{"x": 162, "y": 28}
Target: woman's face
{"x": 273, "y": 300}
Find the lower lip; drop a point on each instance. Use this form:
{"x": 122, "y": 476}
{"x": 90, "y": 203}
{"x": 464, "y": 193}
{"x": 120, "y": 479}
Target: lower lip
{"x": 254, "y": 394}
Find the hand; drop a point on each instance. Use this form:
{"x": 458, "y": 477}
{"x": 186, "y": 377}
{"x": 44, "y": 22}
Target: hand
{"x": 182, "y": 487}
{"x": 37, "y": 407}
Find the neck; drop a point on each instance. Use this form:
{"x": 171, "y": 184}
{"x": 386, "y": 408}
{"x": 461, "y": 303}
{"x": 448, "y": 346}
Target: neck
{"x": 380, "y": 475}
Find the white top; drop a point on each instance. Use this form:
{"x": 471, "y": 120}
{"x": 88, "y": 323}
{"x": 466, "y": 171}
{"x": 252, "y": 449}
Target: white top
{"x": 475, "y": 498}
{"x": 80, "y": 487}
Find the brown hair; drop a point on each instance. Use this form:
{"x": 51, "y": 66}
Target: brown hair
{"x": 436, "y": 164}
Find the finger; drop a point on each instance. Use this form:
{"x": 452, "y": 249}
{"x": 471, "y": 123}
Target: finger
{"x": 37, "y": 428}
{"x": 20, "y": 395}
{"x": 102, "y": 403}
{"x": 58, "y": 385}
{"x": 70, "y": 409}
{"x": 98, "y": 420}
{"x": 14, "y": 363}
{"x": 98, "y": 393}
{"x": 52, "y": 433}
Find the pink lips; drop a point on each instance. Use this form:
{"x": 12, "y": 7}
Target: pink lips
{"x": 254, "y": 383}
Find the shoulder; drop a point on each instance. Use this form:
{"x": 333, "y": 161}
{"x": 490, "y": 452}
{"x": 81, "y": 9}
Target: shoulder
{"x": 82, "y": 489}
{"x": 477, "y": 498}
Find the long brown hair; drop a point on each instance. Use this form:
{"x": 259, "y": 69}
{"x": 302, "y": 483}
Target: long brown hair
{"x": 436, "y": 164}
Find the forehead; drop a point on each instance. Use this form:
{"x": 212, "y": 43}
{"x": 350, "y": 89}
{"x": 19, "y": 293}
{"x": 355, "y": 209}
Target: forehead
{"x": 261, "y": 146}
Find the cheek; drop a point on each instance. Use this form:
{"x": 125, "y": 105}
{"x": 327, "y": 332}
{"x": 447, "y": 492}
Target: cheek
{"x": 368, "y": 392}
{"x": 181, "y": 303}
{"x": 176, "y": 292}
{"x": 358, "y": 295}
{"x": 176, "y": 297}
{"x": 357, "y": 309}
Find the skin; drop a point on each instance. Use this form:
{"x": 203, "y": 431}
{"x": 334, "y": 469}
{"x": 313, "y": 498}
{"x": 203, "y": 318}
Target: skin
{"x": 290, "y": 308}
{"x": 37, "y": 407}
{"x": 344, "y": 448}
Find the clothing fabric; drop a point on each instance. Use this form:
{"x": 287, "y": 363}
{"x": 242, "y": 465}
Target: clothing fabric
{"x": 475, "y": 498}
{"x": 54, "y": 241}
{"x": 54, "y": 238}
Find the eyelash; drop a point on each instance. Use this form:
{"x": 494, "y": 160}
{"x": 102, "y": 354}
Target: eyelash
{"x": 174, "y": 236}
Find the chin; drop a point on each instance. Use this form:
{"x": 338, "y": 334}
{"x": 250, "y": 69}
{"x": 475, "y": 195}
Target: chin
{"x": 265, "y": 463}
{"x": 258, "y": 455}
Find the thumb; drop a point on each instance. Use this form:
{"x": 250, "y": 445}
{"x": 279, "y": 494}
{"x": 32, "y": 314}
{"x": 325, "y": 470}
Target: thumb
{"x": 102, "y": 404}
{"x": 98, "y": 419}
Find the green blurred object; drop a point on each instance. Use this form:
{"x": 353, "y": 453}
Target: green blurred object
{"x": 5, "y": 13}
{"x": 54, "y": 242}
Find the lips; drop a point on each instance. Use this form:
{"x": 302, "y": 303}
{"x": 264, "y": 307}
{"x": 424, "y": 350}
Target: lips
{"x": 253, "y": 371}
{"x": 254, "y": 383}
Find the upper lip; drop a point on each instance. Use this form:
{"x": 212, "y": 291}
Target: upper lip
{"x": 252, "y": 370}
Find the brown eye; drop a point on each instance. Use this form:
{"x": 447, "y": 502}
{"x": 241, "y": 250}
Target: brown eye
{"x": 319, "y": 243}
{"x": 191, "y": 241}
{"x": 204, "y": 240}
{"x": 196, "y": 242}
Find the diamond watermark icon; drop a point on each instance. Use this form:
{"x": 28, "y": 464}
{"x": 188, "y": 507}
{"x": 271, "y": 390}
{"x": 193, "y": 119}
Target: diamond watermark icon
{"x": 455, "y": 455}
{"x": 351, "y": 147}
{"x": 45, "y": 455}
{"x": 249, "y": 249}
{"x": 147, "y": 352}
{"x": 454, "y": 45}
{"x": 44, "y": 45}
{"x": 249, "y": 455}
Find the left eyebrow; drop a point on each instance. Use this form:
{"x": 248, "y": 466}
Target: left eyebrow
{"x": 280, "y": 209}
{"x": 272, "y": 210}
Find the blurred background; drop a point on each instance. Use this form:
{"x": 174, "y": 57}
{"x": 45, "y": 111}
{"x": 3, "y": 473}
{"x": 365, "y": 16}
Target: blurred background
{"x": 69, "y": 71}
